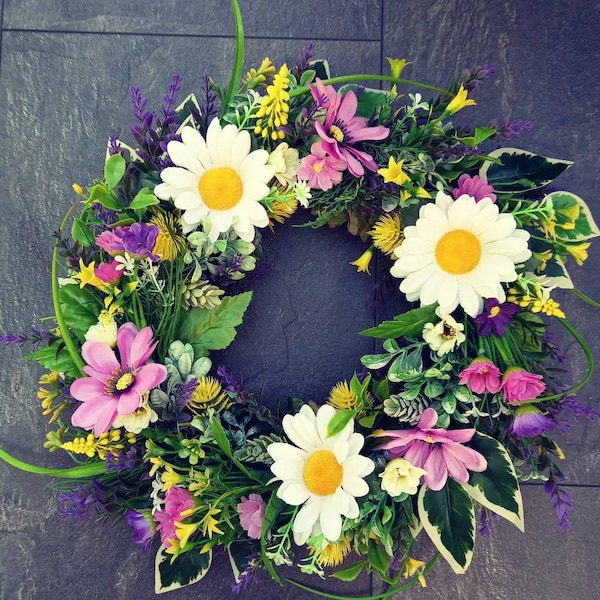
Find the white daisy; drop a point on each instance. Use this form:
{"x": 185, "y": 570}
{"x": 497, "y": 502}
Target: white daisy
{"x": 459, "y": 252}
{"x": 217, "y": 182}
{"x": 323, "y": 473}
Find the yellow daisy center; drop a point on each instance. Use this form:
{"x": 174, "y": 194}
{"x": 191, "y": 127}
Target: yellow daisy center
{"x": 337, "y": 133}
{"x": 458, "y": 252}
{"x": 322, "y": 473}
{"x": 221, "y": 188}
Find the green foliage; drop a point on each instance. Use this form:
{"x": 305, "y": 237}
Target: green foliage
{"x": 213, "y": 329}
{"x": 114, "y": 169}
{"x": 448, "y": 517}
{"x": 187, "y": 568}
{"x": 521, "y": 170}
{"x": 80, "y": 308}
{"x": 409, "y": 324}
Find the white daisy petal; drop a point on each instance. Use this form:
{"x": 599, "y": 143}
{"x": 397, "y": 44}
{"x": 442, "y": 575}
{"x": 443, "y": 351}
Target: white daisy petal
{"x": 356, "y": 486}
{"x": 292, "y": 492}
{"x": 331, "y": 523}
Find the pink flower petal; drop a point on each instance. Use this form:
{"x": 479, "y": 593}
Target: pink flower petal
{"x": 141, "y": 349}
{"x": 128, "y": 402}
{"x": 149, "y": 377}
{"x": 472, "y": 459}
{"x": 456, "y": 469}
{"x": 97, "y": 414}
{"x": 87, "y": 389}
{"x": 437, "y": 473}
{"x": 125, "y": 337}
{"x": 99, "y": 356}
{"x": 428, "y": 419}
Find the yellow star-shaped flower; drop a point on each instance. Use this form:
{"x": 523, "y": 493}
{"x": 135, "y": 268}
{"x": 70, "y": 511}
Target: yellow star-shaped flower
{"x": 394, "y": 172}
{"x": 87, "y": 276}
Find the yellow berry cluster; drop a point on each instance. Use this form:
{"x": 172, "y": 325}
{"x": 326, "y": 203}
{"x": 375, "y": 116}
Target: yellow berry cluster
{"x": 535, "y": 302}
{"x": 109, "y": 442}
{"x": 274, "y": 108}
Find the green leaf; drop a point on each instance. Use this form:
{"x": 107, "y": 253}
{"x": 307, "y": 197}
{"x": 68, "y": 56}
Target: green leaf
{"x": 308, "y": 76}
{"x": 55, "y": 357}
{"x": 213, "y": 329}
{"x": 143, "y": 198}
{"x": 381, "y": 389}
{"x": 409, "y": 324}
{"x": 273, "y": 508}
{"x": 81, "y": 233}
{"x": 350, "y": 572}
{"x": 497, "y": 488}
{"x": 80, "y": 308}
{"x": 110, "y": 201}
{"x": 376, "y": 361}
{"x": 187, "y": 568}
{"x": 114, "y": 169}
{"x": 584, "y": 227}
{"x": 341, "y": 418}
{"x": 448, "y": 517}
{"x": 521, "y": 170}
{"x": 408, "y": 366}
{"x": 378, "y": 558}
{"x": 479, "y": 135}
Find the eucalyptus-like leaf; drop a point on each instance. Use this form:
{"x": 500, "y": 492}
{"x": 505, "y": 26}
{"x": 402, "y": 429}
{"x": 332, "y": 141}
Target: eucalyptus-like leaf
{"x": 408, "y": 324}
{"x": 337, "y": 423}
{"x": 448, "y": 517}
{"x": 114, "y": 169}
{"x": 143, "y": 199}
{"x": 350, "y": 572}
{"x": 497, "y": 488}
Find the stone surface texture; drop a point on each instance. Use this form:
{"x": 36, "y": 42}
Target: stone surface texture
{"x": 65, "y": 72}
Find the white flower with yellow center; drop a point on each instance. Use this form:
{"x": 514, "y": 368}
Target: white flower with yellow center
{"x": 458, "y": 253}
{"x": 325, "y": 474}
{"x": 217, "y": 182}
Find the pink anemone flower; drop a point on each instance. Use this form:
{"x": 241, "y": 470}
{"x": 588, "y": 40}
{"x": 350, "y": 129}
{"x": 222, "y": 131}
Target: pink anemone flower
{"x": 321, "y": 170}
{"x": 440, "y": 452}
{"x": 115, "y": 387}
{"x": 343, "y": 128}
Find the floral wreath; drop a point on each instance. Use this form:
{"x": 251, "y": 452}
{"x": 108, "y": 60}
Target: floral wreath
{"x": 435, "y": 431}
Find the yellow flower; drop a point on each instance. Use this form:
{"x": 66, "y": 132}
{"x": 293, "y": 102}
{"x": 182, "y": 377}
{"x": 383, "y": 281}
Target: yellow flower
{"x": 209, "y": 523}
{"x": 183, "y": 532}
{"x": 104, "y": 331}
{"x": 397, "y": 66}
{"x": 387, "y": 233}
{"x": 208, "y": 393}
{"x": 578, "y": 251}
{"x": 87, "y": 276}
{"x": 459, "y": 101}
{"x": 274, "y": 106}
{"x": 280, "y": 211}
{"x": 79, "y": 190}
{"x": 170, "y": 478}
{"x": 169, "y": 243}
{"x": 413, "y": 567}
{"x": 362, "y": 263}
{"x": 552, "y": 309}
{"x": 342, "y": 397}
{"x": 332, "y": 554}
{"x": 394, "y": 172}
{"x": 256, "y": 77}
{"x": 109, "y": 443}
{"x": 401, "y": 477}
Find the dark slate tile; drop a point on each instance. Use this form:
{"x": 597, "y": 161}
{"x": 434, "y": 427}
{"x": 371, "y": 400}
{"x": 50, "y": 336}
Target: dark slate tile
{"x": 312, "y": 19}
{"x": 542, "y": 563}
{"x": 548, "y": 72}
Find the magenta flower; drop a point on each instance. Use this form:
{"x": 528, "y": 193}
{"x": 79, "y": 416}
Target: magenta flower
{"x": 321, "y": 170}
{"x": 495, "y": 317}
{"x": 115, "y": 387}
{"x": 252, "y": 512}
{"x": 518, "y": 385}
{"x": 440, "y": 452}
{"x": 474, "y": 186}
{"x": 481, "y": 376}
{"x": 530, "y": 421}
{"x": 343, "y": 128}
{"x": 109, "y": 272}
{"x": 177, "y": 502}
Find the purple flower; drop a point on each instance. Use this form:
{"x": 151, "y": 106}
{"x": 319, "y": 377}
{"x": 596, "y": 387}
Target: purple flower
{"x": 142, "y": 529}
{"x": 508, "y": 129}
{"x": 495, "y": 317}
{"x": 343, "y": 128}
{"x": 440, "y": 452}
{"x": 529, "y": 421}
{"x": 137, "y": 239}
{"x": 474, "y": 186}
{"x": 561, "y": 500}
{"x": 518, "y": 385}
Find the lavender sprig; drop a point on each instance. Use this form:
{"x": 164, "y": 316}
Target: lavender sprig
{"x": 561, "y": 500}
{"x": 208, "y": 105}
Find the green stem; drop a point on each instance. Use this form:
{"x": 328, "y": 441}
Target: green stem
{"x": 386, "y": 594}
{"x": 586, "y": 298}
{"x": 588, "y": 354}
{"x": 78, "y": 472}
{"x": 238, "y": 64}
{"x": 60, "y": 319}
{"x": 367, "y": 76}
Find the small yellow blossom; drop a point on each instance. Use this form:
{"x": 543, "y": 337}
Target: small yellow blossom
{"x": 394, "y": 172}
{"x": 280, "y": 211}
{"x": 258, "y": 77}
{"x": 170, "y": 242}
{"x": 387, "y": 233}
{"x": 413, "y": 567}
{"x": 332, "y": 554}
{"x": 274, "y": 106}
{"x": 108, "y": 443}
{"x": 170, "y": 478}
{"x": 578, "y": 251}
{"x": 342, "y": 397}
{"x": 459, "y": 101}
{"x": 79, "y": 190}
{"x": 87, "y": 276}
{"x": 362, "y": 263}
{"x": 208, "y": 394}
{"x": 397, "y": 65}
{"x": 49, "y": 392}
{"x": 210, "y": 524}
{"x": 401, "y": 477}
{"x": 104, "y": 331}
{"x": 183, "y": 531}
